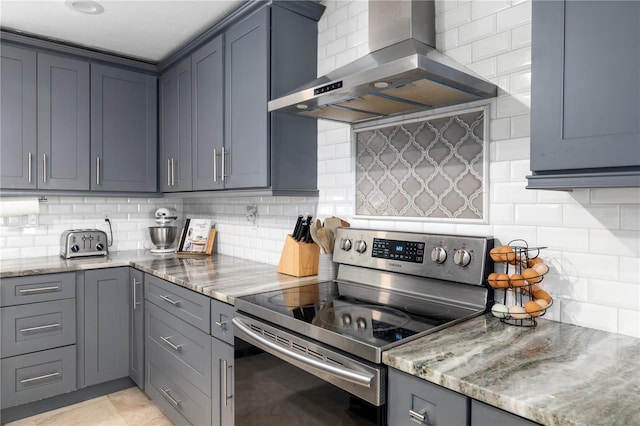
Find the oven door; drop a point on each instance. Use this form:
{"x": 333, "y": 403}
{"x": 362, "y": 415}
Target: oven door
{"x": 283, "y": 379}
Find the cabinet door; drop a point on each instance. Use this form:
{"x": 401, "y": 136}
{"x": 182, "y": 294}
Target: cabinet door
{"x": 585, "y": 105}
{"x": 63, "y": 123}
{"x": 107, "y": 296}
{"x": 223, "y": 390}
{"x": 175, "y": 128}
{"x": 486, "y": 415}
{"x": 208, "y": 115}
{"x": 123, "y": 130}
{"x": 17, "y": 118}
{"x": 136, "y": 328}
{"x": 246, "y": 95}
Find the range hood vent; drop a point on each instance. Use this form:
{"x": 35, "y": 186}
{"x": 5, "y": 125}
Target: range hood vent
{"x": 403, "y": 74}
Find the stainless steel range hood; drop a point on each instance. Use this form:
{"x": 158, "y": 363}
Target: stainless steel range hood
{"x": 404, "y": 73}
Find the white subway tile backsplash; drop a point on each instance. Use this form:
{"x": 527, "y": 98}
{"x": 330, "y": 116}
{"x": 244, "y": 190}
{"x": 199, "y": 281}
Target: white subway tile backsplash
{"x": 560, "y": 238}
{"x": 519, "y": 169}
{"x": 478, "y": 29}
{"x": 580, "y": 216}
{"x": 629, "y": 268}
{"x": 514, "y": 16}
{"x": 629, "y": 322}
{"x": 589, "y": 315}
{"x": 455, "y": 16}
{"x": 614, "y": 293}
{"x": 538, "y": 214}
{"x": 487, "y": 7}
{"x": 615, "y": 195}
{"x": 515, "y": 60}
{"x": 517, "y": 104}
{"x": 521, "y": 126}
{"x": 520, "y": 82}
{"x": 630, "y": 217}
{"x": 491, "y": 46}
{"x": 513, "y": 149}
{"x": 598, "y": 266}
{"x": 511, "y": 192}
{"x": 607, "y": 241}
{"x": 521, "y": 36}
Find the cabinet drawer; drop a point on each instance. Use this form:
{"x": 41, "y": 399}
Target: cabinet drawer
{"x": 410, "y": 398}
{"x": 37, "y": 288}
{"x": 184, "y": 347}
{"x": 181, "y": 402}
{"x": 221, "y": 316}
{"x": 188, "y": 305}
{"x": 486, "y": 415}
{"x": 37, "y": 326}
{"x": 39, "y": 375}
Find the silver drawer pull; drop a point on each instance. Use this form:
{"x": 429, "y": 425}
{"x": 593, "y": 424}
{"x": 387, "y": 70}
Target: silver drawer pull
{"x": 39, "y": 289}
{"x": 177, "y": 348}
{"x": 171, "y": 399}
{"x": 38, "y": 328}
{"x": 222, "y": 324}
{"x": 420, "y": 416}
{"x": 166, "y": 299}
{"x": 35, "y": 379}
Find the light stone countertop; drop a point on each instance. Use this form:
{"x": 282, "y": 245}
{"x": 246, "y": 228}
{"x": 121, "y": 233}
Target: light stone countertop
{"x": 218, "y": 276}
{"x": 554, "y": 374}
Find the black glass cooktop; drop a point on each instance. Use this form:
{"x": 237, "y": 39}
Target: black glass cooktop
{"x": 366, "y": 314}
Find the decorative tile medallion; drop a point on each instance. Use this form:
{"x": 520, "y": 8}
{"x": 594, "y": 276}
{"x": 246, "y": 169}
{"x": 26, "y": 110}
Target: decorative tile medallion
{"x": 431, "y": 168}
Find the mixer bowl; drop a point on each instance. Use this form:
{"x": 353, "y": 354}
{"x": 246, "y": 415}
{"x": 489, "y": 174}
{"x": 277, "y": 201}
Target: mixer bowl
{"x": 163, "y": 236}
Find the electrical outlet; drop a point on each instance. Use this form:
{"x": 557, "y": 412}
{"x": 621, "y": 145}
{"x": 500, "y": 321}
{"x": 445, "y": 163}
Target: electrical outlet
{"x": 106, "y": 215}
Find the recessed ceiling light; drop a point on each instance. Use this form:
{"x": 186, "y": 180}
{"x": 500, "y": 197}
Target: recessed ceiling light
{"x": 381, "y": 84}
{"x": 85, "y": 6}
{"x": 302, "y": 106}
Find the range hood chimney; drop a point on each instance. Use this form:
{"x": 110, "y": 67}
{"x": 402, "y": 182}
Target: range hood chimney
{"x": 404, "y": 73}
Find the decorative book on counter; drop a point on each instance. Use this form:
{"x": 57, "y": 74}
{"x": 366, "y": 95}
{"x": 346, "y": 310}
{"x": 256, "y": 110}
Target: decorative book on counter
{"x": 197, "y": 237}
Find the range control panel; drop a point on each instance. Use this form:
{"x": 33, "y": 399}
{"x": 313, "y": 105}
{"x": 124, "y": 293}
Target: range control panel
{"x": 457, "y": 258}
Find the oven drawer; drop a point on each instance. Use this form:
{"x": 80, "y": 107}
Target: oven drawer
{"x": 188, "y": 305}
{"x": 181, "y": 345}
{"x": 37, "y": 326}
{"x": 39, "y": 375}
{"x": 37, "y": 288}
{"x": 178, "y": 399}
{"x": 413, "y": 401}
{"x": 221, "y": 316}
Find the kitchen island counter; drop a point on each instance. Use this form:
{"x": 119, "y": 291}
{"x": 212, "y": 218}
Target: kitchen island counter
{"x": 554, "y": 374}
{"x": 218, "y": 276}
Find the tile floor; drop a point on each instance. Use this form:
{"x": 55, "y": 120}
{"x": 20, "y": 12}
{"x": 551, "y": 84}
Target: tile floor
{"x": 129, "y": 407}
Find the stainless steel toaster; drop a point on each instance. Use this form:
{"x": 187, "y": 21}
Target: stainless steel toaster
{"x": 83, "y": 242}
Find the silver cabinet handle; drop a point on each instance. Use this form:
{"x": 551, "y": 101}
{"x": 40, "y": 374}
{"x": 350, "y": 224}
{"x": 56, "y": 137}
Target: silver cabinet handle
{"x": 44, "y": 167}
{"x": 166, "y": 299}
{"x": 225, "y": 389}
{"x": 34, "y": 379}
{"x": 97, "y": 170}
{"x": 222, "y": 154}
{"x": 38, "y": 328}
{"x": 420, "y": 416}
{"x": 30, "y": 167}
{"x": 168, "y": 172}
{"x": 177, "y": 348}
{"x": 173, "y": 174}
{"x": 39, "y": 289}
{"x": 246, "y": 333}
{"x": 134, "y": 293}
{"x": 172, "y": 400}
{"x": 222, "y": 324}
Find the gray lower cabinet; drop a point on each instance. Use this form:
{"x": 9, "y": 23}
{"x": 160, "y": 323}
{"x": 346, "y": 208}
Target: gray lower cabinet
{"x": 222, "y": 398}
{"x": 123, "y": 130}
{"x": 175, "y": 128}
{"x": 136, "y": 328}
{"x": 585, "y": 94}
{"x": 486, "y": 415}
{"x": 415, "y": 401}
{"x": 104, "y": 312}
{"x": 18, "y": 144}
{"x": 38, "y": 337}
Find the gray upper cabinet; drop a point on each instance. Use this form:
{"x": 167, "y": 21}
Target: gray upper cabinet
{"x": 123, "y": 130}
{"x": 63, "y": 123}
{"x": 104, "y": 313}
{"x": 18, "y": 118}
{"x": 207, "y": 79}
{"x": 175, "y": 128}
{"x": 247, "y": 45}
{"x": 585, "y": 101}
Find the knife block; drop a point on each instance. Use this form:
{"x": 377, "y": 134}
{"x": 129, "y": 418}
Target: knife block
{"x": 298, "y": 258}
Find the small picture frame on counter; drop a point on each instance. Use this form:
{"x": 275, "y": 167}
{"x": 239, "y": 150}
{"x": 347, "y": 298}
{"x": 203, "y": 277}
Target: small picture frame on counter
{"x": 197, "y": 237}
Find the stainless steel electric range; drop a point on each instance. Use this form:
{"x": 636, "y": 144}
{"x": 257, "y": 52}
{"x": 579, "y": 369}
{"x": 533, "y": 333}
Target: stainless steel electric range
{"x": 317, "y": 349}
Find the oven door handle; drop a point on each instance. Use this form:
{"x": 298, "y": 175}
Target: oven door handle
{"x": 263, "y": 343}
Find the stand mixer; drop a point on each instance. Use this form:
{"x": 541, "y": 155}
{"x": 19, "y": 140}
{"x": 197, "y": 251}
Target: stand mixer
{"x": 164, "y": 235}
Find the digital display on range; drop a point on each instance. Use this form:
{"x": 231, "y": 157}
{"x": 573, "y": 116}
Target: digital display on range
{"x": 405, "y": 251}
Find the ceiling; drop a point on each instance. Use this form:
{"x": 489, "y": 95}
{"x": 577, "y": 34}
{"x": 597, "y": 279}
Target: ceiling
{"x": 148, "y": 30}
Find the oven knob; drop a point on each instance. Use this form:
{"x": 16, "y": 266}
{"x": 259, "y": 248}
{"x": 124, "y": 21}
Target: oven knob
{"x": 461, "y": 257}
{"x": 346, "y": 319}
{"x": 361, "y": 246}
{"x": 361, "y": 323}
{"x": 75, "y": 248}
{"x": 438, "y": 255}
{"x": 99, "y": 246}
{"x": 345, "y": 244}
